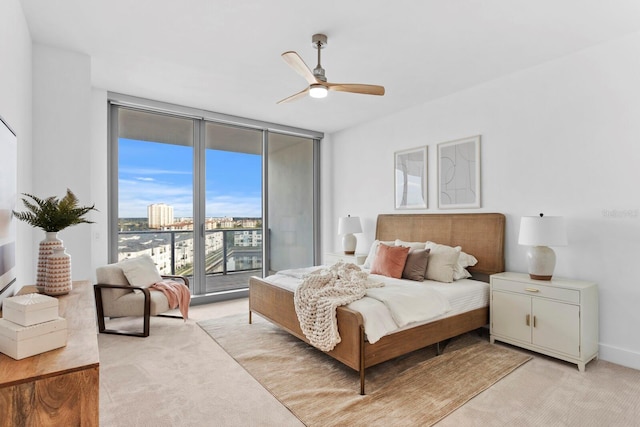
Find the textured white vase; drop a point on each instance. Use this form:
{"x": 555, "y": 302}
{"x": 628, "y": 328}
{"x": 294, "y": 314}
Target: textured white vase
{"x": 58, "y": 273}
{"x": 47, "y": 245}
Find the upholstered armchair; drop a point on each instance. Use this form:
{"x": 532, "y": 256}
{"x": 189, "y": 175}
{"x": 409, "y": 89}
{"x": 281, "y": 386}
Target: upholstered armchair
{"x": 123, "y": 291}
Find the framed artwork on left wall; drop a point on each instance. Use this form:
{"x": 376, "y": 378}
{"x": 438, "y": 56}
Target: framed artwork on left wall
{"x": 8, "y": 197}
{"x": 411, "y": 178}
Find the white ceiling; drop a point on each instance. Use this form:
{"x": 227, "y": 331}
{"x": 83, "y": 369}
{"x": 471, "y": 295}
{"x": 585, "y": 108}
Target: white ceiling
{"x": 224, "y": 55}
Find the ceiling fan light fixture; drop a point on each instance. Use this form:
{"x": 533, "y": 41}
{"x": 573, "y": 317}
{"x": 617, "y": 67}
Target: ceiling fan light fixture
{"x": 318, "y": 91}
{"x": 318, "y": 84}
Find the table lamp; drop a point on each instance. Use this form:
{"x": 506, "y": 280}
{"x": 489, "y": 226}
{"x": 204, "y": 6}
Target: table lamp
{"x": 346, "y": 227}
{"x": 540, "y": 232}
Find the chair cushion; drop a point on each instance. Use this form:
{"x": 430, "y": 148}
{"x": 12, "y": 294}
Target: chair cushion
{"x": 132, "y": 304}
{"x": 140, "y": 271}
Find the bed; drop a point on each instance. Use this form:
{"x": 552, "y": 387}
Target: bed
{"x": 479, "y": 234}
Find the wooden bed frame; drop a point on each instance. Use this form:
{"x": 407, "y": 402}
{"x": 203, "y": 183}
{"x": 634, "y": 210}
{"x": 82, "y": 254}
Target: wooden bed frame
{"x": 481, "y": 235}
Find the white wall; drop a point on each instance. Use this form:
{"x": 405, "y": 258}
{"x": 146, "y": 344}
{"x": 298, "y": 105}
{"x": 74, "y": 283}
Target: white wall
{"x": 99, "y": 178}
{"x": 561, "y": 138}
{"x": 66, "y": 125}
{"x": 15, "y": 108}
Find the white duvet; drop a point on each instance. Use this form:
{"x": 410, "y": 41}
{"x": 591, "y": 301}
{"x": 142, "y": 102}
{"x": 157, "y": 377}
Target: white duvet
{"x": 402, "y": 303}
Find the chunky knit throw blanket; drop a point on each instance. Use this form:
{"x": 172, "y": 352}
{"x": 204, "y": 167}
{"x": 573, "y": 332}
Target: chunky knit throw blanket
{"x": 320, "y": 293}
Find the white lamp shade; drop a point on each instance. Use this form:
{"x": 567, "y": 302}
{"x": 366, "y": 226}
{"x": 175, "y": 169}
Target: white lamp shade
{"x": 349, "y": 225}
{"x": 542, "y": 231}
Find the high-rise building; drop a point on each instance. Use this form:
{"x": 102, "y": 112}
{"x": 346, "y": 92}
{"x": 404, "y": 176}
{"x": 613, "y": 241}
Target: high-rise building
{"x": 159, "y": 215}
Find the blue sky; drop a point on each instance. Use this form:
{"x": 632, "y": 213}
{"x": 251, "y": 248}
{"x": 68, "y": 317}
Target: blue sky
{"x": 151, "y": 172}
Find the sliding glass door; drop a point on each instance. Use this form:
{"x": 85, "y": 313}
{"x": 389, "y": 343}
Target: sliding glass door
{"x": 233, "y": 206}
{"x": 192, "y": 193}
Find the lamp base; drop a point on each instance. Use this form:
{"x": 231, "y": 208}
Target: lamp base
{"x": 542, "y": 261}
{"x": 538, "y": 277}
{"x": 349, "y": 244}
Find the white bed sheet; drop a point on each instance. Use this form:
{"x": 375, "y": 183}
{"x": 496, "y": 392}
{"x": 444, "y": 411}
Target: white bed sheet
{"x": 463, "y": 295}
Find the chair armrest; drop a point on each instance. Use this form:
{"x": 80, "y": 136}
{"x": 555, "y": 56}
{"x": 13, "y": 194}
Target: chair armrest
{"x": 97, "y": 289}
{"x": 105, "y": 286}
{"x": 183, "y": 278}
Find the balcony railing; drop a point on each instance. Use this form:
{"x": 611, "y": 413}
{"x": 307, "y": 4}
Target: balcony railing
{"x": 227, "y": 251}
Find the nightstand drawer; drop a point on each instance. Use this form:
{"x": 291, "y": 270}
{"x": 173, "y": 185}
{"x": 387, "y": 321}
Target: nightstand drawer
{"x": 538, "y": 290}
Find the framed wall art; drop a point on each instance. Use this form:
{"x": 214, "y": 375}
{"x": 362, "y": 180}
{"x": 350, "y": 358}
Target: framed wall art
{"x": 8, "y": 197}
{"x": 411, "y": 178}
{"x": 459, "y": 173}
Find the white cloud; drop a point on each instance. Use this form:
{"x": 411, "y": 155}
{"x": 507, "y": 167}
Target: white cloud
{"x": 135, "y": 195}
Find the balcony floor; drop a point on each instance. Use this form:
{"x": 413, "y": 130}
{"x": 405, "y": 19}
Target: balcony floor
{"x": 230, "y": 281}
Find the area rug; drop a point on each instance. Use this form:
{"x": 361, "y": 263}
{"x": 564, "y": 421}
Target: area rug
{"x": 416, "y": 389}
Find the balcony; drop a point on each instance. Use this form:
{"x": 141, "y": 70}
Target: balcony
{"x": 231, "y": 255}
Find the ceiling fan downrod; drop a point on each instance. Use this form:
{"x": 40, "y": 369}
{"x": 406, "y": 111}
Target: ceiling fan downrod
{"x": 319, "y": 41}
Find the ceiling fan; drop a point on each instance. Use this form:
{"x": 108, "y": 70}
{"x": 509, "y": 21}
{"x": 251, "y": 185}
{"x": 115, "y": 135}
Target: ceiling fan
{"x": 318, "y": 84}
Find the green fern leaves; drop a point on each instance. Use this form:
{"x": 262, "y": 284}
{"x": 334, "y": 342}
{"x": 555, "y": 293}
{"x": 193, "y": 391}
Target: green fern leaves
{"x": 51, "y": 214}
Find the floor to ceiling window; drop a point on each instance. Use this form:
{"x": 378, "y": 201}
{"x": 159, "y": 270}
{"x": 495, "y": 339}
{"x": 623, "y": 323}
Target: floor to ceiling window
{"x": 233, "y": 205}
{"x": 291, "y": 201}
{"x": 209, "y": 199}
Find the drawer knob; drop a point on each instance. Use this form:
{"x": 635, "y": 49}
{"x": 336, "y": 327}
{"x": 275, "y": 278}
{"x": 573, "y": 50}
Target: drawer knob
{"x": 531, "y": 290}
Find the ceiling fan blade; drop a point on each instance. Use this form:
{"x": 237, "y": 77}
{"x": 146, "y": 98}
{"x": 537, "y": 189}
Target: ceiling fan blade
{"x": 294, "y": 96}
{"x": 356, "y": 88}
{"x": 295, "y": 62}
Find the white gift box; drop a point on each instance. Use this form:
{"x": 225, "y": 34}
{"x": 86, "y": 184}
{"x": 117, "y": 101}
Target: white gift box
{"x": 30, "y": 309}
{"x": 19, "y": 341}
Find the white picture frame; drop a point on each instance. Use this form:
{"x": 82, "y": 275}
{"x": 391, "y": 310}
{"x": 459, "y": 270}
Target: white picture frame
{"x": 410, "y": 178}
{"x": 8, "y": 198}
{"x": 459, "y": 173}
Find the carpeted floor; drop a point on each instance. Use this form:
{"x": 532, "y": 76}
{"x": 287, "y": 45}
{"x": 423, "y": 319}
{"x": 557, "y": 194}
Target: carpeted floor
{"x": 179, "y": 376}
{"x": 417, "y": 389}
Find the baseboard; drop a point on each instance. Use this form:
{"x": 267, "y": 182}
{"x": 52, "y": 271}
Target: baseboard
{"x": 620, "y": 356}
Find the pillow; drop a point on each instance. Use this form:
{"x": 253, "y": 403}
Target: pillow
{"x": 460, "y": 270}
{"x": 416, "y": 265}
{"x": 412, "y": 245}
{"x": 140, "y": 271}
{"x": 460, "y": 273}
{"x": 368, "y": 262}
{"x": 390, "y": 261}
{"x": 466, "y": 260}
{"x": 442, "y": 261}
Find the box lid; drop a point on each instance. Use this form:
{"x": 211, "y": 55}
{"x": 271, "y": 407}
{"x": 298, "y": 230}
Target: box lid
{"x": 17, "y": 332}
{"x": 30, "y": 302}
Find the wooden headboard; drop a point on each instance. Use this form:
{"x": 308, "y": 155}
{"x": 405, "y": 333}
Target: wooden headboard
{"x": 479, "y": 234}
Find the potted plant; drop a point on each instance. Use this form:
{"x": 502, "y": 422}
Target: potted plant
{"x": 53, "y": 215}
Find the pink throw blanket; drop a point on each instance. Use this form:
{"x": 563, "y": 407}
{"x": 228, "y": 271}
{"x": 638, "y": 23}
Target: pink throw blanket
{"x": 177, "y": 293}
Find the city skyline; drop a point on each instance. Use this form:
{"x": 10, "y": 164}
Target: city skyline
{"x": 151, "y": 173}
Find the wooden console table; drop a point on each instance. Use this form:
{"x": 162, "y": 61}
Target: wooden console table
{"x": 59, "y": 387}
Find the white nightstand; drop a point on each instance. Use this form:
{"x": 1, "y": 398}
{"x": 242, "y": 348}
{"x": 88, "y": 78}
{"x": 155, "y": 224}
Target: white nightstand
{"x": 331, "y": 258}
{"x": 558, "y": 318}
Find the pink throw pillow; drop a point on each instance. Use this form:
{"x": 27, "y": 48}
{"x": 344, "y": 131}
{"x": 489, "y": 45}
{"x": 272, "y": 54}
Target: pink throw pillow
{"x": 390, "y": 261}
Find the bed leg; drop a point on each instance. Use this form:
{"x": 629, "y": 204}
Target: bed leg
{"x": 362, "y": 368}
{"x": 250, "y": 313}
{"x": 441, "y": 345}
